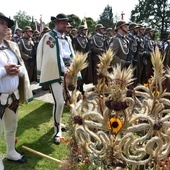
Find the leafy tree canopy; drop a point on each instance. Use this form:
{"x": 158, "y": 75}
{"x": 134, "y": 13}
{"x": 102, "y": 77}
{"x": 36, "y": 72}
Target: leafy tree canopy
{"x": 153, "y": 13}
{"x": 106, "y": 18}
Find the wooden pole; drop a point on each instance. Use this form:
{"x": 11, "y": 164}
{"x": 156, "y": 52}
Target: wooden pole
{"x": 42, "y": 155}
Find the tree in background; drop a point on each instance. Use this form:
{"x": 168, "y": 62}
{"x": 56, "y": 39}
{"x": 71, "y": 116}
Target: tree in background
{"x": 23, "y": 19}
{"x": 75, "y": 20}
{"x": 106, "y": 18}
{"x": 90, "y": 24}
{"x": 154, "y": 13}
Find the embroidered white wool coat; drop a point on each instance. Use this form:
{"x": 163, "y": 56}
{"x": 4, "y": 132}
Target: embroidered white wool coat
{"x": 25, "y": 91}
{"x": 50, "y": 64}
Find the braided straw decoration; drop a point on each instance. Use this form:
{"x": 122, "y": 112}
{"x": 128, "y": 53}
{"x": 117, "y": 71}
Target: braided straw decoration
{"x": 115, "y": 130}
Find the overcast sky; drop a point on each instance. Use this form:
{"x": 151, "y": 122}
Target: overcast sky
{"x": 81, "y": 8}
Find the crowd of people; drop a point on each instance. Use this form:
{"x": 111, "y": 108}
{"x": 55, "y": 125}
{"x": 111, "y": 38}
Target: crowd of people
{"x": 45, "y": 57}
{"x": 132, "y": 43}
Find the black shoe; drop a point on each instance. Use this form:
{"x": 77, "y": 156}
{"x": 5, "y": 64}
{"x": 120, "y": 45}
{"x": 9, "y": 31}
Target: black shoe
{"x": 63, "y": 127}
{"x": 57, "y": 140}
{"x": 23, "y": 159}
{"x": 34, "y": 93}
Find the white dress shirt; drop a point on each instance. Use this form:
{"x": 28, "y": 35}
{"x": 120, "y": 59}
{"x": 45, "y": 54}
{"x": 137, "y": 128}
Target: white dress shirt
{"x": 64, "y": 47}
{"x": 8, "y": 83}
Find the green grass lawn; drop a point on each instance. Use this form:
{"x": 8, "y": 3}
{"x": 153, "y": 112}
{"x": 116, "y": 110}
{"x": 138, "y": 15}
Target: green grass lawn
{"x": 35, "y": 130}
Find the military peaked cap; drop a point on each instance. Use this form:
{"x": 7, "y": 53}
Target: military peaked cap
{"x": 60, "y": 17}
{"x": 132, "y": 25}
{"x": 139, "y": 26}
{"x": 46, "y": 29}
{"x": 74, "y": 29}
{"x": 148, "y": 30}
{"x": 69, "y": 25}
{"x": 8, "y": 20}
{"x": 99, "y": 26}
{"x": 36, "y": 32}
{"x": 18, "y": 29}
{"x": 109, "y": 29}
{"x": 27, "y": 28}
{"x": 120, "y": 23}
{"x": 82, "y": 27}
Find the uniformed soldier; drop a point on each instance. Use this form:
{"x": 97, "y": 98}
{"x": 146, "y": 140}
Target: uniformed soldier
{"x": 139, "y": 31}
{"x": 149, "y": 48}
{"x": 108, "y": 36}
{"x": 119, "y": 45}
{"x": 73, "y": 32}
{"x": 167, "y": 52}
{"x": 81, "y": 44}
{"x": 28, "y": 52}
{"x": 17, "y": 35}
{"x": 45, "y": 30}
{"x": 97, "y": 47}
{"x": 131, "y": 36}
{"x": 36, "y": 38}
{"x": 167, "y": 63}
{"x": 132, "y": 55}
{"x": 68, "y": 31}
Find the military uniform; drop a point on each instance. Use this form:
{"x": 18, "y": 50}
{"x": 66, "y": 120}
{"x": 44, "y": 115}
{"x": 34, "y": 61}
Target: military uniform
{"x": 36, "y": 38}
{"x": 45, "y": 30}
{"x": 167, "y": 64}
{"x": 132, "y": 43}
{"x": 108, "y": 37}
{"x": 81, "y": 44}
{"x": 17, "y": 35}
{"x": 132, "y": 55}
{"x": 97, "y": 47}
{"x": 119, "y": 45}
{"x": 140, "y": 75}
{"x": 149, "y": 48}
{"x": 28, "y": 54}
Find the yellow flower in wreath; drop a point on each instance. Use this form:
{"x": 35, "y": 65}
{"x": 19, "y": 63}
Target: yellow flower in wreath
{"x": 114, "y": 124}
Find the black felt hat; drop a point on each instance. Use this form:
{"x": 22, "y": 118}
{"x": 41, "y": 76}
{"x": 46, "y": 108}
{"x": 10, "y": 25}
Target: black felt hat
{"x": 8, "y": 20}
{"x": 60, "y": 17}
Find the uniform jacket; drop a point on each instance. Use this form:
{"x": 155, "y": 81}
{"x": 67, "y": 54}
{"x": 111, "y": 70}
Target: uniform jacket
{"x": 24, "y": 83}
{"x": 81, "y": 43}
{"x": 119, "y": 45}
{"x": 49, "y": 60}
{"x": 97, "y": 46}
{"x": 26, "y": 46}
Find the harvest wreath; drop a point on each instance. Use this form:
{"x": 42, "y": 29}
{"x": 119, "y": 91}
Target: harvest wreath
{"x": 112, "y": 130}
